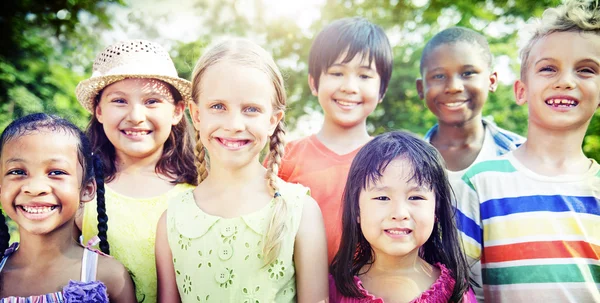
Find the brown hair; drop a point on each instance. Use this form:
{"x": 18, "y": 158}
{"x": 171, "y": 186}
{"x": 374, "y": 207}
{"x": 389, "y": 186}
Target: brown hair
{"x": 577, "y": 16}
{"x": 177, "y": 158}
{"x": 247, "y": 53}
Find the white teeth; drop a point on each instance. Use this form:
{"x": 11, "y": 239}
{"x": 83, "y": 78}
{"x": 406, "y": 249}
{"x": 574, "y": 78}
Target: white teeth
{"x": 398, "y": 232}
{"x": 233, "y": 144}
{"x": 344, "y": 103}
{"x": 38, "y": 209}
{"x": 561, "y": 102}
{"x": 136, "y": 133}
{"x": 455, "y": 104}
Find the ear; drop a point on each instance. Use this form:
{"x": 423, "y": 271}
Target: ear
{"x": 419, "y": 85}
{"x": 313, "y": 87}
{"x": 520, "y": 92}
{"x": 178, "y": 113}
{"x": 275, "y": 119}
{"x": 493, "y": 81}
{"x": 99, "y": 113}
{"x": 88, "y": 192}
{"x": 194, "y": 113}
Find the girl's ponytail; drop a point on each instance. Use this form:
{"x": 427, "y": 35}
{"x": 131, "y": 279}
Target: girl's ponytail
{"x": 201, "y": 159}
{"x": 277, "y": 226}
{"x": 101, "y": 205}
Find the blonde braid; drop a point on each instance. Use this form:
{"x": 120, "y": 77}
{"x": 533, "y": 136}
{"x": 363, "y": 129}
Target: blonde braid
{"x": 277, "y": 223}
{"x": 200, "y": 159}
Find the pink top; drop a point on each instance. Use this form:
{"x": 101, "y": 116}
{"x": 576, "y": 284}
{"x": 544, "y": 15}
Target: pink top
{"x": 439, "y": 292}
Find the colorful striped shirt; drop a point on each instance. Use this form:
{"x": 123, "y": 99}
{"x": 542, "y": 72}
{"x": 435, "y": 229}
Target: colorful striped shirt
{"x": 538, "y": 237}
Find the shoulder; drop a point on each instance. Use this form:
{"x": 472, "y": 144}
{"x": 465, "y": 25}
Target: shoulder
{"x": 113, "y": 274}
{"x": 497, "y": 165}
{"x": 503, "y": 138}
{"x": 297, "y": 146}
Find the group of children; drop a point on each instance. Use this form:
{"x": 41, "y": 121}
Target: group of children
{"x": 471, "y": 213}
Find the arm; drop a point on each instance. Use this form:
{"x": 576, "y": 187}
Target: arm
{"x": 165, "y": 272}
{"x": 310, "y": 255}
{"x": 117, "y": 280}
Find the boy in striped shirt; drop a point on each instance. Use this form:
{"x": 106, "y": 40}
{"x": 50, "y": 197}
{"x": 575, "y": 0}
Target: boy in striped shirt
{"x": 538, "y": 221}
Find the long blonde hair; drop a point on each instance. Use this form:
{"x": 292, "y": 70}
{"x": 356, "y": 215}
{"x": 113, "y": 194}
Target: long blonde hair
{"x": 247, "y": 53}
{"x": 572, "y": 16}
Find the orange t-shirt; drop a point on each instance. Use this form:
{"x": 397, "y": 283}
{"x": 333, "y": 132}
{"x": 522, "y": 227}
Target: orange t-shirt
{"x": 308, "y": 162}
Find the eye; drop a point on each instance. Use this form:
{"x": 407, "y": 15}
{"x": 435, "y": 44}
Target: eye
{"x": 152, "y": 101}
{"x": 217, "y": 106}
{"x": 468, "y": 73}
{"x": 416, "y": 198}
{"x": 57, "y": 173}
{"x": 119, "y": 101}
{"x": 438, "y": 77}
{"x": 547, "y": 69}
{"x": 336, "y": 74}
{"x": 587, "y": 70}
{"x": 382, "y": 198}
{"x": 365, "y": 76}
{"x": 252, "y": 109}
{"x": 16, "y": 172}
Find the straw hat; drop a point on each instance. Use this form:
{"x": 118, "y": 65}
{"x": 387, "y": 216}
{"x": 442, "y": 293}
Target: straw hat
{"x": 131, "y": 59}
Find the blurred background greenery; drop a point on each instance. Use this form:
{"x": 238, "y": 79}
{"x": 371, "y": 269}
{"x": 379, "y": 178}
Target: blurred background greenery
{"x": 47, "y": 48}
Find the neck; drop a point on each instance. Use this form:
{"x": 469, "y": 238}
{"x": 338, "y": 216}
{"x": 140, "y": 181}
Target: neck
{"x": 551, "y": 152}
{"x": 397, "y": 265}
{"x": 463, "y": 134}
{"x": 225, "y": 179}
{"x": 41, "y": 249}
{"x": 342, "y": 138}
{"x": 132, "y": 165}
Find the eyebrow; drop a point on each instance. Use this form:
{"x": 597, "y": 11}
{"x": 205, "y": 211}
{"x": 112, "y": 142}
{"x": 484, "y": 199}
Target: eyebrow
{"x": 344, "y": 65}
{"x": 145, "y": 94}
{"x": 590, "y": 61}
{"x": 51, "y": 160}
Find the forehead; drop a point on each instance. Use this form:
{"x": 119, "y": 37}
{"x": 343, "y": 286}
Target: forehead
{"x": 143, "y": 85}
{"x": 567, "y": 47}
{"x": 228, "y": 81}
{"x": 455, "y": 54}
{"x": 42, "y": 145}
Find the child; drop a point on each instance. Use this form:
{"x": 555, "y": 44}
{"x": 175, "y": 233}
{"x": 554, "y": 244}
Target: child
{"x": 350, "y": 65}
{"x": 137, "y": 101}
{"x": 457, "y": 77}
{"x": 539, "y": 205}
{"x": 398, "y": 232}
{"x": 243, "y": 235}
{"x": 47, "y": 172}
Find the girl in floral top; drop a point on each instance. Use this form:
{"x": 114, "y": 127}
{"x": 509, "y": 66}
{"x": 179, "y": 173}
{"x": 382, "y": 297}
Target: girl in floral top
{"x": 399, "y": 236}
{"x": 47, "y": 172}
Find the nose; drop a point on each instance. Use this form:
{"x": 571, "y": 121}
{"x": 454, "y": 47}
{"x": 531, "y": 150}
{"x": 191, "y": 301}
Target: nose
{"x": 565, "y": 80}
{"x": 137, "y": 113}
{"x": 454, "y": 85}
{"x": 35, "y": 187}
{"x": 399, "y": 210}
{"x": 350, "y": 85}
{"x": 235, "y": 122}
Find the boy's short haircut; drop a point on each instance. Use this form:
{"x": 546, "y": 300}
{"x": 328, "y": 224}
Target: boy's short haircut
{"x": 455, "y": 35}
{"x": 572, "y": 16}
{"x": 356, "y": 36}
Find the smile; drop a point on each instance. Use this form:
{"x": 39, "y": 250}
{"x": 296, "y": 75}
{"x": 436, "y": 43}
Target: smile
{"x": 398, "y": 231}
{"x": 38, "y": 209}
{"x": 455, "y": 104}
{"x": 233, "y": 144}
{"x": 561, "y": 102}
{"x": 136, "y": 132}
{"x": 346, "y": 103}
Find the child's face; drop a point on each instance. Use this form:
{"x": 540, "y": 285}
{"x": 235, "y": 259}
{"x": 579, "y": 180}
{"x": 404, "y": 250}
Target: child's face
{"x": 41, "y": 181}
{"x": 456, "y": 82}
{"x": 397, "y": 215}
{"x": 348, "y": 92}
{"x": 235, "y": 114}
{"x": 562, "y": 83}
{"x": 137, "y": 116}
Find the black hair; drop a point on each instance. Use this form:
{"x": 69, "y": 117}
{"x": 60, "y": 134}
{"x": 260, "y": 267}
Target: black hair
{"x": 454, "y": 35}
{"x": 91, "y": 164}
{"x": 353, "y": 36}
{"x": 428, "y": 170}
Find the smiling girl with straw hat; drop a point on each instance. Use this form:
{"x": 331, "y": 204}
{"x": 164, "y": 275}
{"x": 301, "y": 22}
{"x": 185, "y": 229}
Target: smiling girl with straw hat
{"x": 139, "y": 130}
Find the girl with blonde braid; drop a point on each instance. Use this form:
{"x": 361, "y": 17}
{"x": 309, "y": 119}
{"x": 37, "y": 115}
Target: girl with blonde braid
{"x": 243, "y": 235}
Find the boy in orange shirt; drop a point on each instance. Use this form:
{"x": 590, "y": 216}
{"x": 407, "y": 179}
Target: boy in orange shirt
{"x": 350, "y": 66}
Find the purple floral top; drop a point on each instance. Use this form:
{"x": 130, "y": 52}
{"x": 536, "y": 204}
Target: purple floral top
{"x": 76, "y": 292}
{"x": 439, "y": 292}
